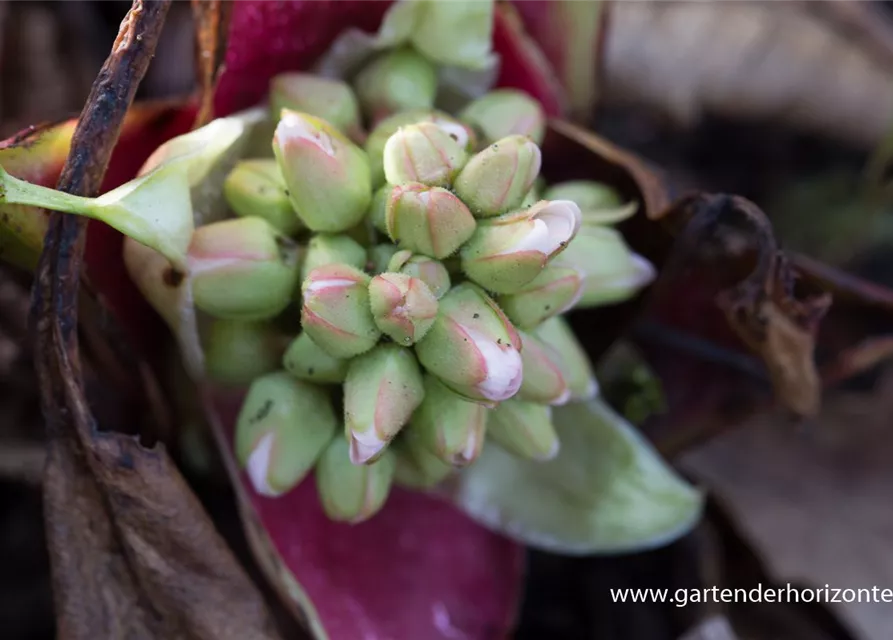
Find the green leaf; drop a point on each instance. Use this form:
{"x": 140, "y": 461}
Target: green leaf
{"x": 607, "y": 491}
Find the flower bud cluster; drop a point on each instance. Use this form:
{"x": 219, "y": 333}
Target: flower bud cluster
{"x": 386, "y": 281}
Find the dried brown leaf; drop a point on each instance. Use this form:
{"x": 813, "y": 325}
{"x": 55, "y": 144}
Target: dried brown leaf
{"x": 732, "y": 240}
{"x": 132, "y": 553}
{"x": 820, "y": 66}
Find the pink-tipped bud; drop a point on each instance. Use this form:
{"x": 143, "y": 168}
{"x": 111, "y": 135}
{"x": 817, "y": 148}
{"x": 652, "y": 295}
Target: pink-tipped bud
{"x": 375, "y": 143}
{"x": 495, "y": 180}
{"x": 326, "y": 174}
{"x": 423, "y": 153}
{"x": 336, "y": 313}
{"x": 349, "y": 492}
{"x": 428, "y": 220}
{"x": 507, "y": 252}
{"x": 472, "y": 347}
{"x": 572, "y": 358}
{"x": 382, "y": 389}
{"x": 430, "y": 271}
{"x": 554, "y": 291}
{"x": 242, "y": 269}
{"x": 450, "y": 426}
{"x": 403, "y": 307}
{"x": 282, "y": 428}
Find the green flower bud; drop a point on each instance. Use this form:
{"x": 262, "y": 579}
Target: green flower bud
{"x": 555, "y": 290}
{"x": 543, "y": 377}
{"x": 237, "y": 352}
{"x": 507, "y": 112}
{"x": 417, "y": 467}
{"x": 382, "y": 389}
{"x": 428, "y": 270}
{"x": 507, "y": 252}
{"x": 423, "y": 153}
{"x": 398, "y": 80}
{"x": 327, "y": 175}
{"x": 524, "y": 428}
{"x": 403, "y": 307}
{"x": 449, "y": 425}
{"x": 428, "y": 220}
{"x": 282, "y": 429}
{"x": 377, "y": 140}
{"x": 472, "y": 347}
{"x": 327, "y": 248}
{"x": 599, "y": 203}
{"x": 256, "y": 188}
{"x": 378, "y": 209}
{"x": 336, "y": 313}
{"x": 349, "y": 492}
{"x": 611, "y": 271}
{"x": 572, "y": 358}
{"x": 307, "y": 361}
{"x": 242, "y": 269}
{"x": 458, "y": 34}
{"x": 495, "y": 180}
{"x": 380, "y": 257}
{"x": 325, "y": 98}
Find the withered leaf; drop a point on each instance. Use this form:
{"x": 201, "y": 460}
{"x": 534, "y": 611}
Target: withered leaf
{"x": 820, "y": 66}
{"x": 731, "y": 238}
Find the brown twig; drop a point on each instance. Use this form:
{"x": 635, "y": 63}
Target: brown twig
{"x": 857, "y": 359}
{"x": 211, "y": 30}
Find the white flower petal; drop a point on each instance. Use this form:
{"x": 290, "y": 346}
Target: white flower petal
{"x": 258, "y": 467}
{"x": 503, "y": 366}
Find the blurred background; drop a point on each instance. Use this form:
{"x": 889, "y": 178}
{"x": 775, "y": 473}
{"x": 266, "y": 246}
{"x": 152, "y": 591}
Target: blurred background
{"x": 788, "y": 104}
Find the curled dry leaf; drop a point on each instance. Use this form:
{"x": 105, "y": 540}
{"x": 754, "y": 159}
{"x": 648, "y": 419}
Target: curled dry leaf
{"x": 822, "y": 66}
{"x": 728, "y": 235}
{"x": 132, "y": 553}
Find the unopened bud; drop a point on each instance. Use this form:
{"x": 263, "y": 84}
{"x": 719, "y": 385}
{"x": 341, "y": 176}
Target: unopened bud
{"x": 506, "y": 112}
{"x": 349, "y": 492}
{"x": 307, "y": 361}
{"x": 327, "y": 248}
{"x": 242, "y": 269}
{"x": 495, "y": 180}
{"x": 336, "y": 313}
{"x": 572, "y": 358}
{"x": 378, "y": 210}
{"x": 599, "y": 203}
{"x": 377, "y": 140}
{"x": 382, "y": 389}
{"x": 524, "y": 428}
{"x": 325, "y": 98}
{"x": 398, "y": 80}
{"x": 423, "y": 153}
{"x": 449, "y": 425}
{"x": 417, "y": 467}
{"x": 507, "y": 252}
{"x": 472, "y": 347}
{"x": 282, "y": 429}
{"x": 256, "y": 188}
{"x": 543, "y": 378}
{"x": 237, "y": 352}
{"x": 403, "y": 307}
{"x": 428, "y": 220}
{"x": 554, "y": 291}
{"x": 327, "y": 175}
{"x": 428, "y": 270}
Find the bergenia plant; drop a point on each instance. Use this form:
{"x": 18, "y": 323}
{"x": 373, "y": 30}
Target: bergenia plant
{"x": 367, "y": 273}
